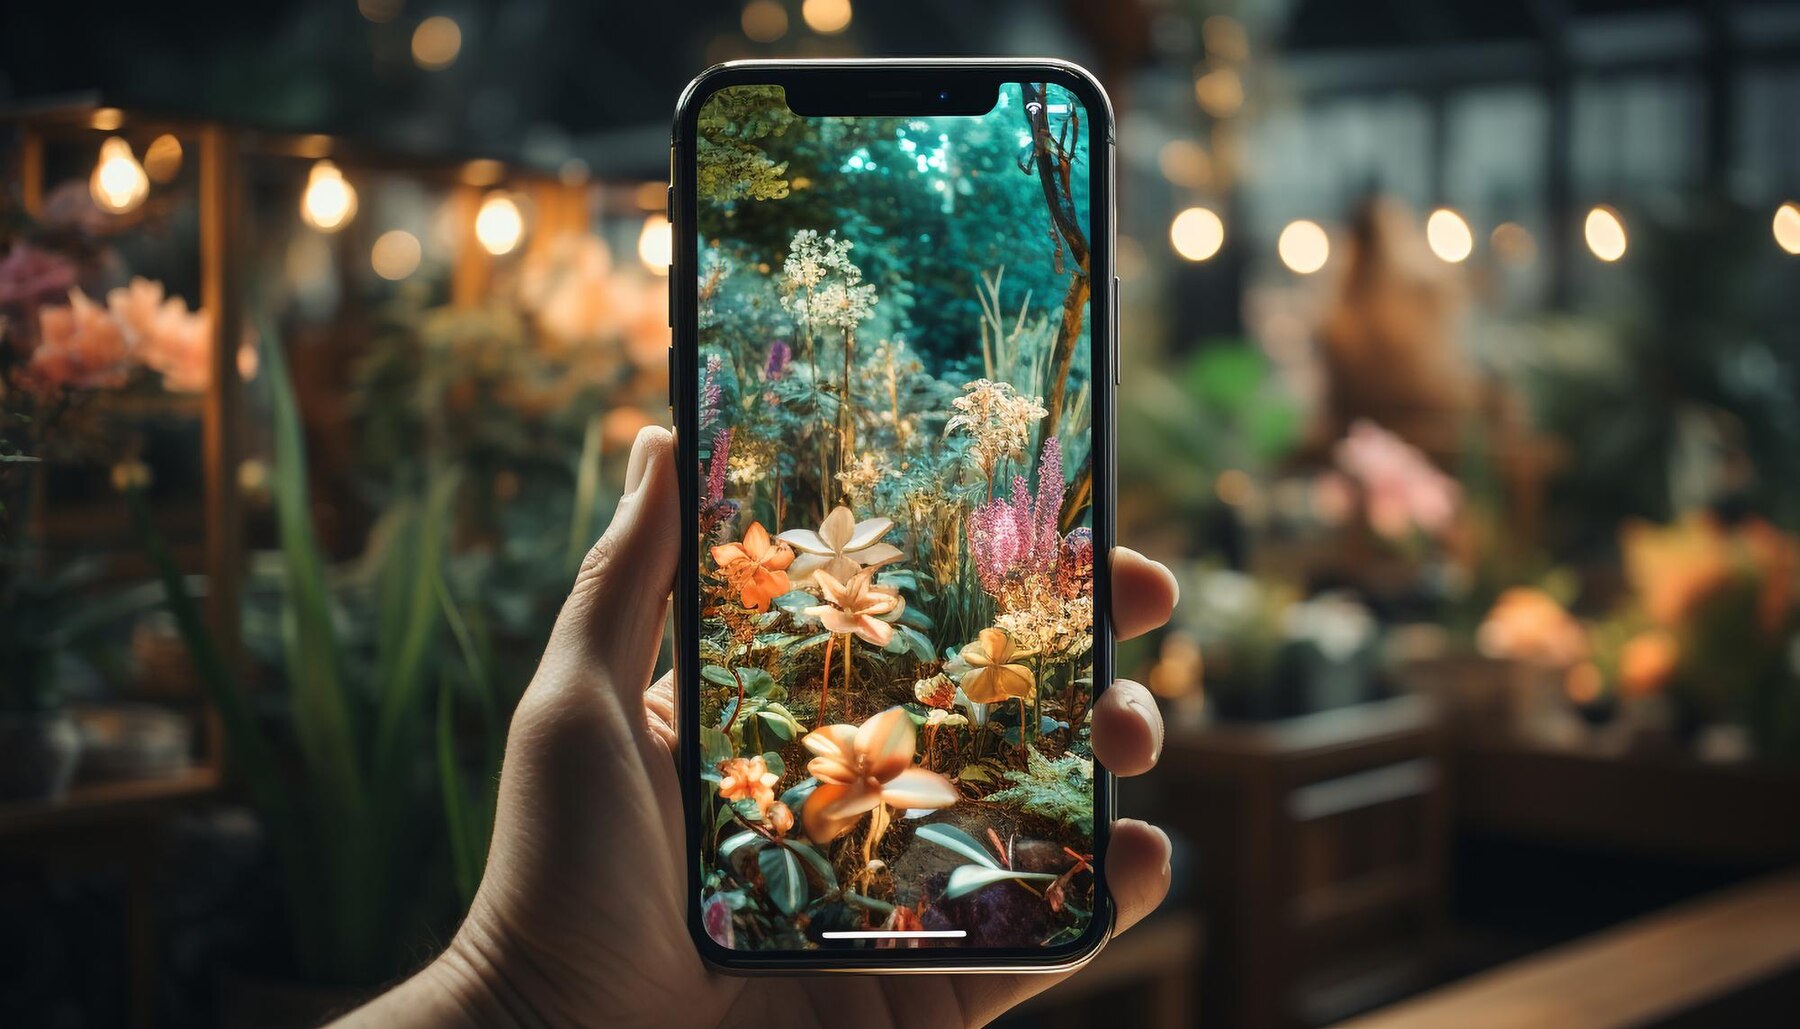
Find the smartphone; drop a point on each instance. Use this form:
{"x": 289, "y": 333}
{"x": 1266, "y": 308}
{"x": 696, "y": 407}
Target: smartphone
{"x": 893, "y": 366}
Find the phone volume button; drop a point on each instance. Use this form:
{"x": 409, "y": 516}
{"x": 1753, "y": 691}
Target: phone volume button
{"x": 671, "y": 377}
{"x": 1118, "y": 375}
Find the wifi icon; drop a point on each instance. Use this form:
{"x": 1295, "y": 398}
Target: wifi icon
{"x": 1033, "y": 107}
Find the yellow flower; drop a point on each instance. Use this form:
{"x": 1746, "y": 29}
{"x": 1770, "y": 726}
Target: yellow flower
{"x": 992, "y": 675}
{"x": 861, "y": 767}
{"x": 842, "y": 547}
{"x": 857, "y": 607}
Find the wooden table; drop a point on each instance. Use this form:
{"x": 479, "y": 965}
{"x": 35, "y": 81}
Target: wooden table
{"x": 1729, "y": 959}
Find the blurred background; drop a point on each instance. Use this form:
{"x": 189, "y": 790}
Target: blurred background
{"x": 1459, "y": 387}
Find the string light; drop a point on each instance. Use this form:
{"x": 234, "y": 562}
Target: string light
{"x": 1303, "y": 247}
{"x": 656, "y": 244}
{"x": 826, "y": 17}
{"x": 107, "y": 119}
{"x": 499, "y": 225}
{"x": 1197, "y": 234}
{"x": 329, "y": 201}
{"x": 119, "y": 183}
{"x": 1605, "y": 232}
{"x": 436, "y": 42}
{"x": 1448, "y": 236}
{"x": 1219, "y": 92}
{"x": 1512, "y": 243}
{"x": 395, "y": 255}
{"x": 764, "y": 21}
{"x": 1787, "y": 227}
{"x": 1184, "y": 163}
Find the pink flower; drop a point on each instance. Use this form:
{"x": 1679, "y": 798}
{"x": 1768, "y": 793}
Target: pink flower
{"x": 715, "y": 914}
{"x": 1402, "y": 489}
{"x": 31, "y": 276}
{"x": 82, "y": 347}
{"x": 168, "y": 338}
{"x": 1016, "y": 538}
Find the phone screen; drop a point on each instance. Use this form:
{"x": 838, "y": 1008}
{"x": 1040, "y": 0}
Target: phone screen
{"x": 896, "y": 501}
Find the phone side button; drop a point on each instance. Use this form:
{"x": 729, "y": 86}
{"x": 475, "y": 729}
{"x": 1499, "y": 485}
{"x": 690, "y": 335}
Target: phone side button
{"x": 1117, "y": 374}
{"x": 669, "y": 216}
{"x": 671, "y": 377}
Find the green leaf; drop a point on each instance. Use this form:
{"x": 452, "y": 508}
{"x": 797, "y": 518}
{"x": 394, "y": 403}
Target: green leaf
{"x": 975, "y": 773}
{"x": 776, "y": 765}
{"x": 813, "y": 641}
{"x": 796, "y": 601}
{"x": 914, "y": 642}
{"x": 880, "y": 907}
{"x": 737, "y": 841}
{"x": 783, "y": 878}
{"x": 969, "y": 878}
{"x": 915, "y": 616}
{"x": 795, "y": 796}
{"x": 717, "y": 674}
{"x": 781, "y": 727}
{"x": 820, "y": 866}
{"x": 759, "y": 683}
{"x": 715, "y": 747}
{"x": 466, "y": 855}
{"x": 953, "y": 839}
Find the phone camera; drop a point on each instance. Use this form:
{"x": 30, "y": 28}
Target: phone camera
{"x": 943, "y": 96}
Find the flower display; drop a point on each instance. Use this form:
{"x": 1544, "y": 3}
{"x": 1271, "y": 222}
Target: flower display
{"x": 1402, "y": 490}
{"x": 756, "y": 567}
{"x": 994, "y": 674}
{"x": 31, "y": 276}
{"x": 167, "y": 337}
{"x": 998, "y": 420}
{"x": 1528, "y": 624}
{"x": 861, "y": 767}
{"x": 748, "y": 778}
{"x": 81, "y": 347}
{"x": 858, "y": 608}
{"x": 1012, "y": 539}
{"x": 842, "y": 546}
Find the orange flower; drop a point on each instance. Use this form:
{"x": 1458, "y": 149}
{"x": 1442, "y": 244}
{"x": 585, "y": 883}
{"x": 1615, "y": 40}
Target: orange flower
{"x": 748, "y": 778}
{"x": 857, "y": 607}
{"x": 82, "y": 347}
{"x": 1528, "y": 624}
{"x": 756, "y": 567}
{"x": 175, "y": 342}
{"x": 992, "y": 677}
{"x": 1647, "y": 662}
{"x": 860, "y": 767}
{"x": 1673, "y": 568}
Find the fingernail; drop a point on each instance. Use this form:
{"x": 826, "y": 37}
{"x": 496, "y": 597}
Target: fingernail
{"x": 1168, "y": 852}
{"x": 640, "y": 460}
{"x": 1139, "y": 701}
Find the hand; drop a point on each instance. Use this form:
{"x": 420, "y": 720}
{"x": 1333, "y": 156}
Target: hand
{"x": 581, "y": 918}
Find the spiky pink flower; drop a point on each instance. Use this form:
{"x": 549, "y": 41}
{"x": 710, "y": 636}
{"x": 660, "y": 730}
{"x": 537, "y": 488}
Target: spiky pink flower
{"x": 1012, "y": 538}
{"x": 712, "y": 393}
{"x": 779, "y": 355}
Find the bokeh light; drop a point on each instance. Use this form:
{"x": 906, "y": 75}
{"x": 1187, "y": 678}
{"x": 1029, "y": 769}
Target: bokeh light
{"x": 826, "y": 17}
{"x": 380, "y": 11}
{"x": 1605, "y": 233}
{"x": 329, "y": 201}
{"x": 436, "y": 42}
{"x": 1513, "y": 243}
{"x": 1448, "y": 236}
{"x": 499, "y": 225}
{"x": 764, "y": 21}
{"x": 162, "y": 158}
{"x": 656, "y": 244}
{"x": 1197, "y": 234}
{"x": 1303, "y": 246}
{"x": 1184, "y": 162}
{"x": 395, "y": 255}
{"x": 1220, "y": 92}
{"x": 1787, "y": 227}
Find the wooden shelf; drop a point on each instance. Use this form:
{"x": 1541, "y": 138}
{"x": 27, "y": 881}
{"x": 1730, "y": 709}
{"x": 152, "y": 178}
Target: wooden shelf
{"x": 90, "y": 804}
{"x": 1669, "y": 806}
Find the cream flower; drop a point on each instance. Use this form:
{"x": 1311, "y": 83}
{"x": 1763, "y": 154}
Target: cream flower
{"x": 169, "y": 338}
{"x": 858, "y": 607}
{"x": 82, "y": 347}
{"x": 992, "y": 677}
{"x": 843, "y": 546}
{"x": 860, "y": 767}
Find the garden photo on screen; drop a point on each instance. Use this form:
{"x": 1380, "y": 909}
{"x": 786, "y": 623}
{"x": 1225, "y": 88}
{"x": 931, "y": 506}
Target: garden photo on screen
{"x": 897, "y": 547}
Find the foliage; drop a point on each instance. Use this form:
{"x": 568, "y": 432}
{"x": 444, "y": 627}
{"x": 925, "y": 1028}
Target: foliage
{"x": 1060, "y": 789}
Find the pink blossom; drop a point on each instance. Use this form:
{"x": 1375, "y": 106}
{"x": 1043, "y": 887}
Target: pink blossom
{"x": 1402, "y": 489}
{"x": 1011, "y": 539}
{"x": 31, "y": 276}
{"x": 82, "y": 347}
{"x": 168, "y": 337}
{"x": 716, "y": 916}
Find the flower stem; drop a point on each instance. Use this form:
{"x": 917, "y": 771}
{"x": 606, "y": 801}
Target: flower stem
{"x": 825, "y": 683}
{"x": 737, "y": 708}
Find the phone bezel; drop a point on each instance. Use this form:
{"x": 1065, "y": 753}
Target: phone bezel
{"x": 892, "y": 77}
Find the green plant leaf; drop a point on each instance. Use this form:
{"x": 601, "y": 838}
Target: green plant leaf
{"x": 719, "y": 675}
{"x": 737, "y": 841}
{"x": 715, "y": 747}
{"x": 796, "y": 601}
{"x": 953, "y": 839}
{"x": 969, "y": 878}
{"x": 880, "y": 907}
{"x": 465, "y": 857}
{"x": 775, "y": 763}
{"x": 820, "y": 866}
{"x": 795, "y": 796}
{"x": 783, "y": 878}
{"x": 782, "y": 727}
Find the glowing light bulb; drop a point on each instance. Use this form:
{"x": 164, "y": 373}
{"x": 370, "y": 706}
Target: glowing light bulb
{"x": 329, "y": 201}
{"x": 119, "y": 183}
{"x": 826, "y": 17}
{"x": 656, "y": 244}
{"x": 1787, "y": 227}
{"x": 1449, "y": 236}
{"x": 1197, "y": 234}
{"x": 162, "y": 158}
{"x": 395, "y": 254}
{"x": 499, "y": 225}
{"x": 1605, "y": 233}
{"x": 1303, "y": 247}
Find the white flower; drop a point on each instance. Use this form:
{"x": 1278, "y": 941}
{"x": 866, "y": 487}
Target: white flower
{"x": 842, "y": 547}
